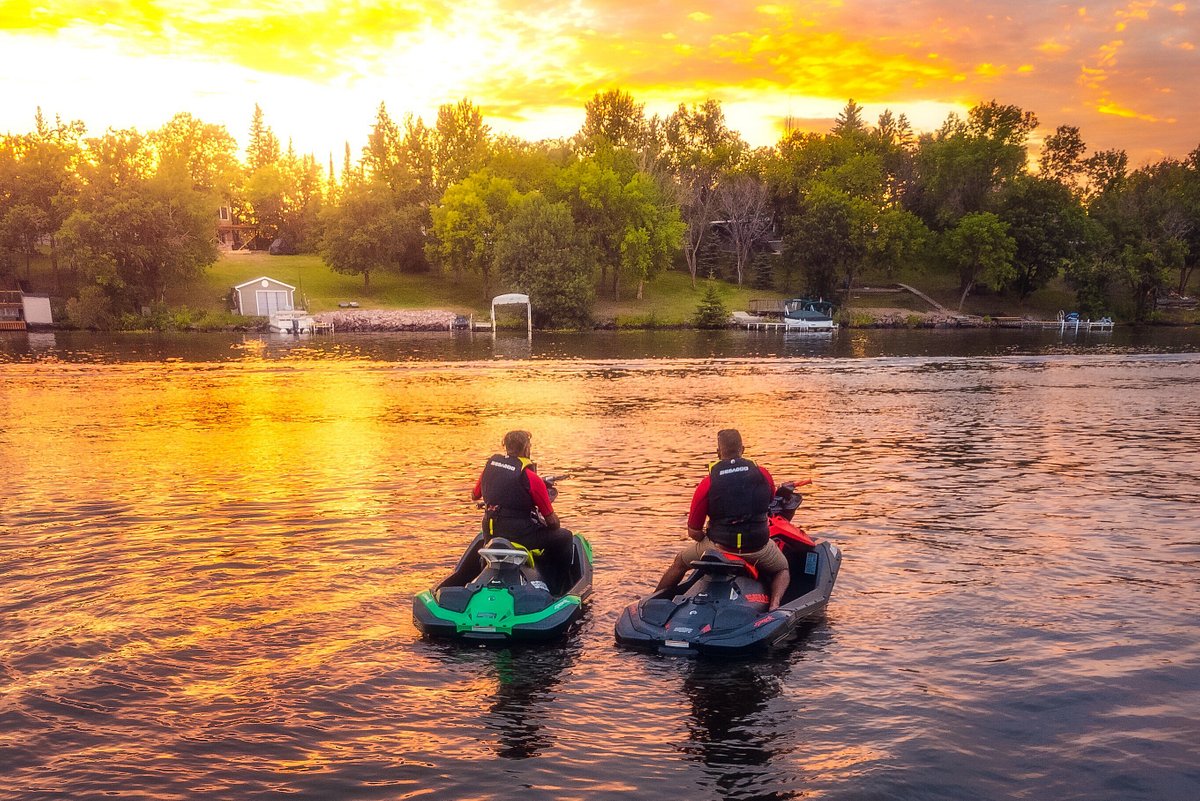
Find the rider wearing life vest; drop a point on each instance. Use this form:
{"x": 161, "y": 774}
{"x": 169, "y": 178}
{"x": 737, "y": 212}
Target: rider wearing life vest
{"x": 734, "y": 498}
{"x": 514, "y": 496}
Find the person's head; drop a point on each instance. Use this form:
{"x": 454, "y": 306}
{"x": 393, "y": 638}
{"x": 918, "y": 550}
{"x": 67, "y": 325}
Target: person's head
{"x": 516, "y": 443}
{"x": 729, "y": 443}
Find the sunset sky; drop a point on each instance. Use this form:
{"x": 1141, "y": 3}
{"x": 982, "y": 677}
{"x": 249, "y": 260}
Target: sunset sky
{"x": 1124, "y": 72}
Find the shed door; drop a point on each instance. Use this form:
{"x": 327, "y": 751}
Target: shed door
{"x": 272, "y": 300}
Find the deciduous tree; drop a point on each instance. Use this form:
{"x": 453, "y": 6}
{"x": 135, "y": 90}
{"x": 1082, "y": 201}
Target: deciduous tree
{"x": 979, "y": 247}
{"x": 468, "y": 223}
{"x": 542, "y": 254}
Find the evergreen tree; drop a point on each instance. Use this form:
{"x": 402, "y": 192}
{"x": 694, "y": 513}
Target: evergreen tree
{"x": 711, "y": 312}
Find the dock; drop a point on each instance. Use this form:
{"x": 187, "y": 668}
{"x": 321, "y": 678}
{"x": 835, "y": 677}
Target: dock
{"x": 754, "y": 322}
{"x": 1063, "y": 324}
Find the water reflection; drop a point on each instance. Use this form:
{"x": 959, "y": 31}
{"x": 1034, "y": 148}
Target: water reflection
{"x": 526, "y": 686}
{"x": 76, "y": 346}
{"x": 733, "y": 733}
{"x": 207, "y": 569}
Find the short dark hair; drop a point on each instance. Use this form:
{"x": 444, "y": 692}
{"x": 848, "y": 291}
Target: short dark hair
{"x": 515, "y": 442}
{"x": 729, "y": 443}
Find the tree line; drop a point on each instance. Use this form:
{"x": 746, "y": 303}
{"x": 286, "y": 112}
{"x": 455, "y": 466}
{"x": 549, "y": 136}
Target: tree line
{"x": 126, "y": 214}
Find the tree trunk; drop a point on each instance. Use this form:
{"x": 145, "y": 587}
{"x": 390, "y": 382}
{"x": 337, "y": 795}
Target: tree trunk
{"x": 366, "y": 279}
{"x": 616, "y": 283}
{"x": 642, "y": 283}
{"x": 963, "y": 299}
{"x": 54, "y": 266}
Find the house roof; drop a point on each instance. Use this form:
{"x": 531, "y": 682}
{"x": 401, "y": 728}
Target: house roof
{"x": 263, "y": 278}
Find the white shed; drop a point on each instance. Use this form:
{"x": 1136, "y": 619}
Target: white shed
{"x": 262, "y": 296}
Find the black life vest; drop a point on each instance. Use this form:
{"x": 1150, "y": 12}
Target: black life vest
{"x": 738, "y": 499}
{"x": 508, "y": 504}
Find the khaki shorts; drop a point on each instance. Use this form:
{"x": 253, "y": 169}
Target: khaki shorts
{"x": 769, "y": 560}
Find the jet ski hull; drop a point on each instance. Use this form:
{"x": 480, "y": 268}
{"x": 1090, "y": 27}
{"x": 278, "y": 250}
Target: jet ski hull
{"x": 492, "y": 606}
{"x": 721, "y": 617}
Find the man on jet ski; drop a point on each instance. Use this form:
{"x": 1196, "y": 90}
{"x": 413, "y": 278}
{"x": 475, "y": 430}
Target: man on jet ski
{"x": 734, "y": 497}
{"x": 517, "y": 503}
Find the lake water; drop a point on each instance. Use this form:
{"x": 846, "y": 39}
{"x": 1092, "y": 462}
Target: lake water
{"x": 209, "y": 545}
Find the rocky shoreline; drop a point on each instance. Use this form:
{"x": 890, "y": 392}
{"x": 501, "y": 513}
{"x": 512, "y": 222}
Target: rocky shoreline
{"x": 388, "y": 319}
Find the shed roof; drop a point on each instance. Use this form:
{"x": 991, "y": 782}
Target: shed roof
{"x": 263, "y": 278}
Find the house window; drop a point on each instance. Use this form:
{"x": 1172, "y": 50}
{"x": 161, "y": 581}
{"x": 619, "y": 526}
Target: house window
{"x": 224, "y": 212}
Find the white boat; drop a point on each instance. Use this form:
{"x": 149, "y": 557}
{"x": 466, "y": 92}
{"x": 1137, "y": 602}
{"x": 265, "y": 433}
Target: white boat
{"x": 803, "y": 314}
{"x": 292, "y": 322}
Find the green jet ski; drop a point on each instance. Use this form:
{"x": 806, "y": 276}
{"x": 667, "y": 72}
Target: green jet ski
{"x": 499, "y": 593}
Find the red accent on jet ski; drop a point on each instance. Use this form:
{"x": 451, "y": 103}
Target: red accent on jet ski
{"x": 785, "y": 530}
{"x": 751, "y": 569}
{"x": 757, "y": 598}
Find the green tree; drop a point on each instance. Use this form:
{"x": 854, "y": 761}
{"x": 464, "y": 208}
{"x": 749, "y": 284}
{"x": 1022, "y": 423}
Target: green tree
{"x": 136, "y": 240}
{"x": 203, "y": 153}
{"x": 896, "y": 240}
{"x": 979, "y": 247}
{"x": 40, "y": 171}
{"x": 21, "y": 228}
{"x": 699, "y": 148}
{"x": 850, "y": 121}
{"x": 263, "y": 148}
{"x": 612, "y": 119}
{"x": 1062, "y": 156}
{"x": 1106, "y": 171}
{"x": 468, "y": 223}
{"x": 541, "y": 253}
{"x": 1048, "y": 225}
{"x": 366, "y": 233}
{"x": 711, "y": 312}
{"x": 966, "y": 162}
{"x": 828, "y": 239}
{"x": 610, "y": 198}
{"x": 460, "y": 143}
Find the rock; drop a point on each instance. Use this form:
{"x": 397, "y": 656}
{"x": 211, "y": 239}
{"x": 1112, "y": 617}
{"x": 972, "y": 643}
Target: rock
{"x": 388, "y": 319}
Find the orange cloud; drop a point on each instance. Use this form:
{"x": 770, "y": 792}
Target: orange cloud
{"x": 526, "y": 61}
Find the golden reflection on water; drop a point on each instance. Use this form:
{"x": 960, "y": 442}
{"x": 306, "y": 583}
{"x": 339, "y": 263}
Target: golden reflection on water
{"x": 229, "y": 551}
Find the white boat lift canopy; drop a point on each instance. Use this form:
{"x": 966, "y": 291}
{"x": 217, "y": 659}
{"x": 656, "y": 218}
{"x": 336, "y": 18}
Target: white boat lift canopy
{"x": 513, "y": 299}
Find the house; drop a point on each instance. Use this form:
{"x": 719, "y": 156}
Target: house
{"x": 12, "y": 311}
{"x": 262, "y": 296}
{"x": 233, "y": 235}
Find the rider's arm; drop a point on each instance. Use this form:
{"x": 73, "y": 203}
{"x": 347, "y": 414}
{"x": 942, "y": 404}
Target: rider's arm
{"x": 477, "y": 493}
{"x": 767, "y": 476}
{"x": 699, "y": 510}
{"x": 541, "y": 498}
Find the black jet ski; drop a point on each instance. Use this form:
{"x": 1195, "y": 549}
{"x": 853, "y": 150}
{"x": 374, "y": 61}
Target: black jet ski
{"x": 499, "y": 592}
{"x": 721, "y": 606}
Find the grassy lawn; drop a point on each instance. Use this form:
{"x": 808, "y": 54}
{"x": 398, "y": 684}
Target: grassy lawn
{"x": 943, "y": 287}
{"x": 668, "y": 300}
{"x": 323, "y": 288}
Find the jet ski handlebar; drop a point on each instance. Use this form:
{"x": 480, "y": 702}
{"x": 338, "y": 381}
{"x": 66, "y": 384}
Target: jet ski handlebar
{"x": 787, "y": 500}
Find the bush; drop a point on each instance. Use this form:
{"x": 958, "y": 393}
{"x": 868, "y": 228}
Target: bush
{"x": 91, "y": 309}
{"x": 648, "y": 320}
{"x": 850, "y": 319}
{"x": 711, "y": 312}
